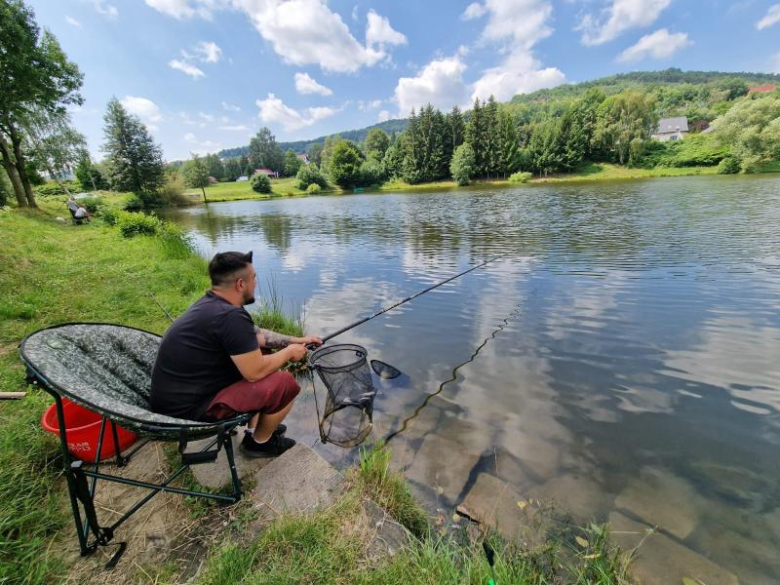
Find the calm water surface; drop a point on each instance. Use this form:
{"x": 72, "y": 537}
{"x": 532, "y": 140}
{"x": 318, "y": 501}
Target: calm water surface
{"x": 623, "y": 358}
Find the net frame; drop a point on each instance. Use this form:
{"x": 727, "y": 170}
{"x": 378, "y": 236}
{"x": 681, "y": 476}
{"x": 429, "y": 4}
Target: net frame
{"x": 335, "y": 365}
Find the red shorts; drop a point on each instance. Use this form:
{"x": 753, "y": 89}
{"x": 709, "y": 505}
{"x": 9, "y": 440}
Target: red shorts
{"x": 268, "y": 396}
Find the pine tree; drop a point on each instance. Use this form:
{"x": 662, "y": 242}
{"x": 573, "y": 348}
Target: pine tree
{"x": 508, "y": 144}
{"x": 457, "y": 127}
{"x": 493, "y": 140}
{"x": 134, "y": 160}
{"x": 476, "y": 136}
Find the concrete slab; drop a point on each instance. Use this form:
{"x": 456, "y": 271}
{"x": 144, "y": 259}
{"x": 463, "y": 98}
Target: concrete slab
{"x": 661, "y": 499}
{"x": 386, "y": 536}
{"x": 573, "y": 494}
{"x": 662, "y": 561}
{"x": 494, "y": 503}
{"x": 297, "y": 482}
{"x": 217, "y": 474}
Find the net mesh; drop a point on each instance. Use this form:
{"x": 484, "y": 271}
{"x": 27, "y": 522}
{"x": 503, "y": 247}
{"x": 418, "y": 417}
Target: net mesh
{"x": 347, "y": 416}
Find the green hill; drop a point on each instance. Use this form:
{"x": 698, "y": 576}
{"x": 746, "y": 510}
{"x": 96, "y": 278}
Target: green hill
{"x": 300, "y": 146}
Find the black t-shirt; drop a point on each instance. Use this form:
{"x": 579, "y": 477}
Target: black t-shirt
{"x": 193, "y": 363}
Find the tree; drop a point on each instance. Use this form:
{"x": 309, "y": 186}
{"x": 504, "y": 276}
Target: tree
{"x": 508, "y": 146}
{"x": 457, "y": 128}
{"x": 376, "y": 144}
{"x": 310, "y": 175}
{"x": 327, "y": 151}
{"x": 233, "y": 169}
{"x": 427, "y": 155}
{"x": 544, "y": 147}
{"x": 58, "y": 148}
{"x": 196, "y": 174}
{"x": 215, "y": 166}
{"x": 35, "y": 76}
{"x": 752, "y": 129}
{"x": 620, "y": 119}
{"x": 315, "y": 153}
{"x": 134, "y": 160}
{"x": 462, "y": 165}
{"x": 291, "y": 163}
{"x": 264, "y": 152}
{"x": 492, "y": 163}
{"x": 393, "y": 161}
{"x": 477, "y": 137}
{"x": 345, "y": 163}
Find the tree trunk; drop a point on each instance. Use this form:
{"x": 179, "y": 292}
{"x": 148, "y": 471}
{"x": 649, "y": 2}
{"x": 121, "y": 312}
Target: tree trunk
{"x": 13, "y": 173}
{"x": 16, "y": 140}
{"x": 204, "y": 194}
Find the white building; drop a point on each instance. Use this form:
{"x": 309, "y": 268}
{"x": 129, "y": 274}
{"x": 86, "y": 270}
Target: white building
{"x": 671, "y": 129}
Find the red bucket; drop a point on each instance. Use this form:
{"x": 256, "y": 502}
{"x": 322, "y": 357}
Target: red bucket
{"x": 83, "y": 430}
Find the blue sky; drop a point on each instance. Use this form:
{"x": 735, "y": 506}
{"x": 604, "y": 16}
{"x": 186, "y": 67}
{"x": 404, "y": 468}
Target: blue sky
{"x": 207, "y": 74}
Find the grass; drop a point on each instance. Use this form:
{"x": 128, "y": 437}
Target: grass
{"x": 329, "y": 547}
{"x": 52, "y": 272}
{"x": 287, "y": 187}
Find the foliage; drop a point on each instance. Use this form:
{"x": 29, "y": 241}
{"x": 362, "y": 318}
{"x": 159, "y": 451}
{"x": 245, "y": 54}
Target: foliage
{"x": 752, "y": 130}
{"x": 196, "y": 173}
{"x": 232, "y": 169}
{"x": 54, "y": 189}
{"x": 172, "y": 191}
{"x": 621, "y": 119}
{"x": 376, "y": 144}
{"x": 133, "y": 203}
{"x": 89, "y": 175}
{"x": 135, "y": 224}
{"x": 310, "y": 174}
{"x": 327, "y": 152}
{"x": 372, "y": 173}
{"x": 38, "y": 82}
{"x": 315, "y": 154}
{"x": 520, "y": 177}
{"x": 91, "y": 203}
{"x": 291, "y": 164}
{"x": 313, "y": 189}
{"x": 134, "y": 160}
{"x": 427, "y": 147}
{"x": 730, "y": 165}
{"x": 698, "y": 150}
{"x": 264, "y": 152}
{"x": 345, "y": 164}
{"x": 260, "y": 183}
{"x": 393, "y": 160}
{"x": 5, "y": 190}
{"x": 462, "y": 164}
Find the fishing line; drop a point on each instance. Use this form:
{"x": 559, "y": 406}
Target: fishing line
{"x": 454, "y": 375}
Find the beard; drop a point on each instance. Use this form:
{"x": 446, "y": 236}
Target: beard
{"x": 249, "y": 299}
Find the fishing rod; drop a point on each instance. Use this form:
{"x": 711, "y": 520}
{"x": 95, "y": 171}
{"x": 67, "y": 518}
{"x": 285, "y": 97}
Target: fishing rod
{"x": 406, "y": 300}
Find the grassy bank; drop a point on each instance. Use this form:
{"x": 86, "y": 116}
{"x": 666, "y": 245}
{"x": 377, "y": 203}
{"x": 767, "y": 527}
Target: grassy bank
{"x": 287, "y": 187}
{"x": 53, "y": 272}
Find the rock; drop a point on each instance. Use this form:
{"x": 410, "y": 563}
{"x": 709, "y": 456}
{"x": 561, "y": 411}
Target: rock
{"x": 217, "y": 474}
{"x": 661, "y": 499}
{"x": 662, "y": 561}
{"x": 386, "y": 536}
{"x": 494, "y": 503}
{"x": 297, "y": 482}
{"x": 577, "y": 495}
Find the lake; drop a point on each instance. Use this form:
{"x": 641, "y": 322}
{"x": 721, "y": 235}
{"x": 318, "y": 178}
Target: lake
{"x": 621, "y": 358}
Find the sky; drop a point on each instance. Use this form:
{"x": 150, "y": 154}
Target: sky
{"x": 204, "y": 75}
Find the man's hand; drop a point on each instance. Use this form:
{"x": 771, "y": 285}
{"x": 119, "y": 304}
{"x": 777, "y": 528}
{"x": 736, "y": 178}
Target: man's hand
{"x": 310, "y": 339}
{"x": 296, "y": 352}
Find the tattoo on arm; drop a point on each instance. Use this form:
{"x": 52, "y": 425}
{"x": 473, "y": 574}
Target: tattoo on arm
{"x": 271, "y": 339}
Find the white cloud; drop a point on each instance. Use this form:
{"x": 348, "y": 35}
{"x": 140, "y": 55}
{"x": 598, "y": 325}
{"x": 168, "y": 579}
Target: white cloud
{"x": 186, "y": 8}
{"x": 618, "y": 17}
{"x": 105, "y": 9}
{"x": 384, "y": 115}
{"x": 230, "y": 107}
{"x": 772, "y": 18}
{"x": 274, "y": 111}
{"x": 516, "y": 26}
{"x": 142, "y": 107}
{"x": 306, "y": 85}
{"x": 186, "y": 68}
{"x": 301, "y": 32}
{"x": 239, "y": 128}
{"x": 372, "y": 105}
{"x": 380, "y": 33}
{"x": 209, "y": 52}
{"x": 72, "y": 21}
{"x": 658, "y": 45}
{"x": 473, "y": 10}
{"x": 308, "y": 32}
{"x": 189, "y": 137}
{"x": 206, "y": 117}
{"x": 439, "y": 83}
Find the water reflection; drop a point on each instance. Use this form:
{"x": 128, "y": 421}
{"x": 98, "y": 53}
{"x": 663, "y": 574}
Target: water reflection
{"x": 631, "y": 366}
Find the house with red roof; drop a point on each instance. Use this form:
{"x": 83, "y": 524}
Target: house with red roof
{"x": 762, "y": 88}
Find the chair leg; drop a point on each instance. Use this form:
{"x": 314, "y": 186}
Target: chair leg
{"x": 228, "y": 443}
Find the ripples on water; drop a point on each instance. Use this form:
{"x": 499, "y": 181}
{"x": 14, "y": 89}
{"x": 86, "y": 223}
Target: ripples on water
{"x": 630, "y": 342}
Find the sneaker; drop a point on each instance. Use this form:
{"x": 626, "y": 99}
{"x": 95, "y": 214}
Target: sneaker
{"x": 280, "y": 430}
{"x": 274, "y": 447}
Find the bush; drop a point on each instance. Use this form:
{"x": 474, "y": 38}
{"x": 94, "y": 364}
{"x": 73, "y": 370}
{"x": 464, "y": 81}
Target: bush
{"x": 345, "y": 163}
{"x": 260, "y": 183}
{"x": 172, "y": 192}
{"x": 134, "y": 224}
{"x": 109, "y": 215}
{"x": 521, "y": 177}
{"x": 313, "y": 189}
{"x": 53, "y": 189}
{"x": 310, "y": 174}
{"x": 91, "y": 203}
{"x": 371, "y": 173}
{"x": 462, "y": 164}
{"x": 133, "y": 203}
{"x": 729, "y": 166}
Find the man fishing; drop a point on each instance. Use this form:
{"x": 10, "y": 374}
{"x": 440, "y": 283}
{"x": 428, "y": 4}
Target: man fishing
{"x": 213, "y": 363}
